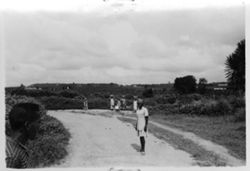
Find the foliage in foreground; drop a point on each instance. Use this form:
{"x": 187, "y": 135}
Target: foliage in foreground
{"x": 50, "y": 144}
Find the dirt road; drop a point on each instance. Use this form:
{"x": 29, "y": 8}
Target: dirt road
{"x": 100, "y": 139}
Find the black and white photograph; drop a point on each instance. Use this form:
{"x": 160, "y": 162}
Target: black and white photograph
{"x": 123, "y": 85}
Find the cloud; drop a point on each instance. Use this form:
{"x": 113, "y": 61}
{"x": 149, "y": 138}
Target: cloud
{"x": 130, "y": 47}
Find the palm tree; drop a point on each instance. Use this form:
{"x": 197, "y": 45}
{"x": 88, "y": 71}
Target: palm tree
{"x": 235, "y": 68}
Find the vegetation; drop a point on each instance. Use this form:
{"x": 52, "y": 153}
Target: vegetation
{"x": 147, "y": 93}
{"x": 224, "y": 130}
{"x": 202, "y": 85}
{"x": 185, "y": 84}
{"x": 235, "y": 68}
{"x": 49, "y": 146}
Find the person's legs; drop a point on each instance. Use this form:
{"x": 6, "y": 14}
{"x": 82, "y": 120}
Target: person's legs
{"x": 142, "y": 140}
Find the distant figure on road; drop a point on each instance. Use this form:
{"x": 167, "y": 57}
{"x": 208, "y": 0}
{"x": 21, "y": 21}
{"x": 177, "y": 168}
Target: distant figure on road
{"x": 85, "y": 103}
{"x": 23, "y": 120}
{"x": 123, "y": 105}
{"x": 142, "y": 123}
{"x": 118, "y": 105}
{"x": 135, "y": 104}
{"x": 112, "y": 102}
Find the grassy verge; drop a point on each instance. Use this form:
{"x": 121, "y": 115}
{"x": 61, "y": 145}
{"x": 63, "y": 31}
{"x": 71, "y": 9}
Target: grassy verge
{"x": 221, "y": 130}
{"x": 202, "y": 157}
{"x": 49, "y": 147}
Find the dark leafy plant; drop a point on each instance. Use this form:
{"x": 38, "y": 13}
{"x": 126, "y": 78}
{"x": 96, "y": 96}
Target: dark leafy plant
{"x": 235, "y": 68}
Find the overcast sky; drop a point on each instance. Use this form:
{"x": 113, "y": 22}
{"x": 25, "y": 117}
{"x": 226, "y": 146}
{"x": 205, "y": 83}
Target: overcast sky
{"x": 107, "y": 45}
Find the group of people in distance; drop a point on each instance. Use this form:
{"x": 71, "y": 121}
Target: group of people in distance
{"x": 142, "y": 118}
{"x": 118, "y": 103}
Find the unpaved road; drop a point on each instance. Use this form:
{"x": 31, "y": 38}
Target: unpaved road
{"x": 99, "y": 139}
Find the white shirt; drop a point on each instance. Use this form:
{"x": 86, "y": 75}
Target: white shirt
{"x": 112, "y": 102}
{"x": 135, "y": 105}
{"x": 141, "y": 113}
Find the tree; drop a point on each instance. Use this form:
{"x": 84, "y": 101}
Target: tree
{"x": 185, "y": 84}
{"x": 202, "y": 85}
{"x": 148, "y": 92}
{"x": 235, "y": 68}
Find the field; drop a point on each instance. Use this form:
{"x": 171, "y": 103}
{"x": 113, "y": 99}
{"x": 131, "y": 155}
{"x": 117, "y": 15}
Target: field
{"x": 220, "y": 130}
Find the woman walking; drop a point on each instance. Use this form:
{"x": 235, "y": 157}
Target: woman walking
{"x": 142, "y": 123}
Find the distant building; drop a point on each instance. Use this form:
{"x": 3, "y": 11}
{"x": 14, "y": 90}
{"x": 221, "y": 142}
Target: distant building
{"x": 219, "y": 86}
{"x": 32, "y": 88}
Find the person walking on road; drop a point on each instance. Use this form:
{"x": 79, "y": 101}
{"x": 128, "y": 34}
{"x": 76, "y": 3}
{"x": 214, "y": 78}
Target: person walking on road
{"x": 123, "y": 100}
{"x": 85, "y": 103}
{"x": 135, "y": 104}
{"x": 112, "y": 102}
{"x": 118, "y": 105}
{"x": 142, "y": 124}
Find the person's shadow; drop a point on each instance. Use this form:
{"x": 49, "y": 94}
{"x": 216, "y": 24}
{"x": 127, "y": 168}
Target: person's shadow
{"x": 136, "y": 147}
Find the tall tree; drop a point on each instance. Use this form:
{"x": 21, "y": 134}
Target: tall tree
{"x": 235, "y": 68}
{"x": 185, "y": 84}
{"x": 202, "y": 85}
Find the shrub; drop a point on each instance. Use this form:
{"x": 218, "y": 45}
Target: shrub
{"x": 147, "y": 93}
{"x": 171, "y": 100}
{"x": 185, "y": 84}
{"x": 161, "y": 100}
{"x": 196, "y": 97}
{"x": 98, "y": 103}
{"x": 237, "y": 102}
{"x": 210, "y": 108}
{"x": 10, "y": 101}
{"x": 223, "y": 107}
{"x": 68, "y": 94}
{"x": 32, "y": 93}
{"x": 129, "y": 97}
{"x": 55, "y": 103}
{"x": 49, "y": 146}
{"x": 240, "y": 115}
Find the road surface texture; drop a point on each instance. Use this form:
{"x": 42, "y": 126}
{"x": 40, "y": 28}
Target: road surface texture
{"x": 99, "y": 139}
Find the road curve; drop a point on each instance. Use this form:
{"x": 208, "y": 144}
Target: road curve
{"x": 98, "y": 139}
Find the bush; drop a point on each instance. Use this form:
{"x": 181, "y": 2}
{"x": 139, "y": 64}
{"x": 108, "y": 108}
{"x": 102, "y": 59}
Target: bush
{"x": 240, "y": 115}
{"x": 185, "y": 84}
{"x": 171, "y": 100}
{"x": 68, "y": 94}
{"x": 49, "y": 146}
{"x": 161, "y": 100}
{"x": 55, "y": 103}
{"x": 10, "y": 101}
{"x": 223, "y": 107}
{"x": 237, "y": 102}
{"x": 218, "y": 108}
{"x": 147, "y": 93}
{"x": 32, "y": 93}
{"x": 98, "y": 103}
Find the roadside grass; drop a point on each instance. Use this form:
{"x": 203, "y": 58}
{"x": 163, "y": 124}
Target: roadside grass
{"x": 49, "y": 147}
{"x": 221, "y": 130}
{"x": 202, "y": 156}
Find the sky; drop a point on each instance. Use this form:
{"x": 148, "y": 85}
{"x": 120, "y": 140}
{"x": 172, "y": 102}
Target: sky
{"x": 120, "y": 41}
